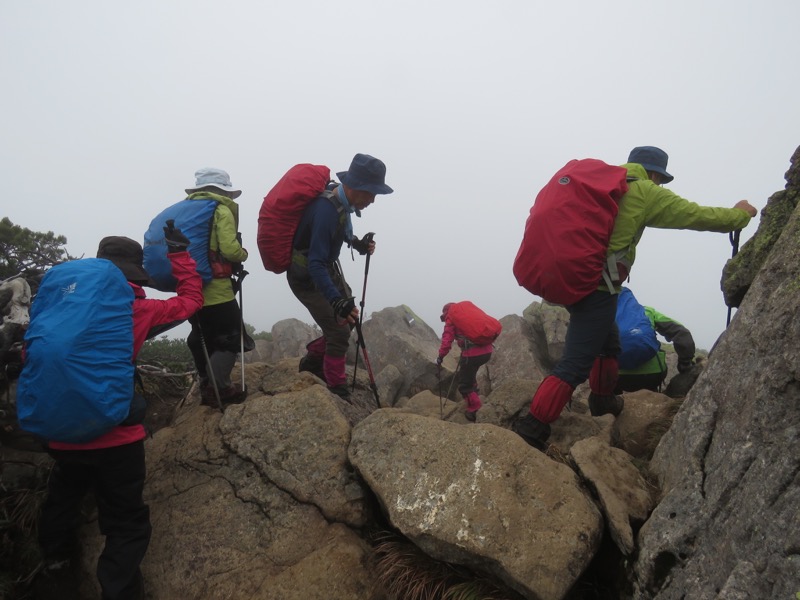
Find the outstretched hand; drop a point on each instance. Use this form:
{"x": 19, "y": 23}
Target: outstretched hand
{"x": 746, "y": 207}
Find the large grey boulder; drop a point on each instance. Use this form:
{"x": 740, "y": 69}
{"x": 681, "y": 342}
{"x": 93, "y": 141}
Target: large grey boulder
{"x": 517, "y": 354}
{"x": 298, "y": 441}
{"x": 625, "y": 496}
{"x": 646, "y": 418}
{"x": 396, "y": 336}
{"x": 549, "y": 323}
{"x": 729, "y": 464}
{"x": 479, "y": 496}
{"x": 289, "y": 339}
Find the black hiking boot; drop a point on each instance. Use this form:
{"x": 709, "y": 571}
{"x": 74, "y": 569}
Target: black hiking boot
{"x": 234, "y": 394}
{"x": 341, "y": 390}
{"x": 610, "y": 404}
{"x": 533, "y": 431}
{"x": 312, "y": 364}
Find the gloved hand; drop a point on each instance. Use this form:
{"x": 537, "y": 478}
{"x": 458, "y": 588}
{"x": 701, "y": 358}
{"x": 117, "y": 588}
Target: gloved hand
{"x": 176, "y": 241}
{"x": 361, "y": 245}
{"x": 342, "y": 307}
{"x": 685, "y": 365}
{"x": 439, "y": 360}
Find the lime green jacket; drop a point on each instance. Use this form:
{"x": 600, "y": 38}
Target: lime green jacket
{"x": 223, "y": 240}
{"x": 649, "y": 205}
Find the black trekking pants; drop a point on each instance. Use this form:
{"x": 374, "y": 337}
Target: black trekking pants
{"x": 220, "y": 326}
{"x": 468, "y": 370}
{"x": 117, "y": 477}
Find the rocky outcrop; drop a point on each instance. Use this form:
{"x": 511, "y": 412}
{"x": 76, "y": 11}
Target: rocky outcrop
{"x": 727, "y": 525}
{"x": 740, "y": 271}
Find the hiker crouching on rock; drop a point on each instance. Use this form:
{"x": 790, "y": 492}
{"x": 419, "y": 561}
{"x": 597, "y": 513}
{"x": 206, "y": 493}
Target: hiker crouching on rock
{"x": 215, "y": 339}
{"x": 650, "y": 374}
{"x": 473, "y": 357}
{"x": 315, "y": 274}
{"x": 592, "y": 339}
{"x": 113, "y": 465}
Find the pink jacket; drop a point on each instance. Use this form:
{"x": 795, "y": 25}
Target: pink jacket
{"x": 451, "y": 333}
{"x": 147, "y": 313}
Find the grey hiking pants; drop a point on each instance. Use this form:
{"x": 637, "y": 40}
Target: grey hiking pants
{"x": 336, "y": 334}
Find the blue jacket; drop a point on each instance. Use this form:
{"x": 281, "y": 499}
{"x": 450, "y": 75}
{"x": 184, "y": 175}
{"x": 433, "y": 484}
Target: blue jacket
{"x": 319, "y": 238}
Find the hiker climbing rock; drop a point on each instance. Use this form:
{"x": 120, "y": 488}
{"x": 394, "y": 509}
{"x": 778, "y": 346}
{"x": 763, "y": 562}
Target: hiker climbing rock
{"x": 475, "y": 332}
{"x": 89, "y": 320}
{"x": 627, "y": 199}
{"x": 210, "y": 217}
{"x": 642, "y": 363}
{"x": 313, "y": 269}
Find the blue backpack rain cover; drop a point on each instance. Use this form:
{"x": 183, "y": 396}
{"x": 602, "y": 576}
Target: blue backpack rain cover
{"x": 636, "y": 334}
{"x": 78, "y": 378}
{"x": 194, "y": 218}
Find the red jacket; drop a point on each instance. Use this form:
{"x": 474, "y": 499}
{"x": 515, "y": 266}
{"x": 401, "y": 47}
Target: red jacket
{"x": 148, "y": 313}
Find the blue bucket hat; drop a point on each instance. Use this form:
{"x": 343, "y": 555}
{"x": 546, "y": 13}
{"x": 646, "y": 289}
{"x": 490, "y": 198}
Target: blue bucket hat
{"x": 366, "y": 173}
{"x": 652, "y": 159}
{"x": 215, "y": 178}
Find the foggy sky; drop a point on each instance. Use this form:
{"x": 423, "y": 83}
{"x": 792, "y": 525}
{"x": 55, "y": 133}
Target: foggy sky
{"x": 109, "y": 108}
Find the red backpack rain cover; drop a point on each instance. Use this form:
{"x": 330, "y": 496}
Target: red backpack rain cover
{"x": 478, "y": 327}
{"x": 282, "y": 210}
{"x": 563, "y": 250}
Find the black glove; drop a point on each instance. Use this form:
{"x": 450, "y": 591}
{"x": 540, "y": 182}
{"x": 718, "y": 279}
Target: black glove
{"x": 439, "y": 360}
{"x": 685, "y": 365}
{"x": 361, "y": 245}
{"x": 176, "y": 241}
{"x": 343, "y": 307}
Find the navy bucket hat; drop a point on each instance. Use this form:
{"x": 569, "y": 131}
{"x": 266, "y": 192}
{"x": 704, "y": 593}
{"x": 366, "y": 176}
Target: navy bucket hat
{"x": 652, "y": 159}
{"x": 366, "y": 173}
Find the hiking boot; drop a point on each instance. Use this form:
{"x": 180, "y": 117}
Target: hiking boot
{"x": 312, "y": 364}
{"x": 471, "y": 415}
{"x": 610, "y": 404}
{"x": 533, "y": 431}
{"x": 233, "y": 394}
{"x": 341, "y": 390}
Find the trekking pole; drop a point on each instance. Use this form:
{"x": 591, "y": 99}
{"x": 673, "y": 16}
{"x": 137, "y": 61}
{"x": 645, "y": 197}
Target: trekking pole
{"x": 210, "y": 371}
{"x": 441, "y": 401}
{"x": 733, "y": 236}
{"x": 367, "y": 238}
{"x": 361, "y": 343}
{"x": 455, "y": 376}
{"x": 241, "y": 275}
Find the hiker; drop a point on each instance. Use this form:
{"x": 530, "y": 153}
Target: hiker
{"x": 651, "y": 373}
{"x": 592, "y": 339}
{"x": 315, "y": 273}
{"x": 473, "y": 357}
{"x": 113, "y": 464}
{"x": 216, "y": 335}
